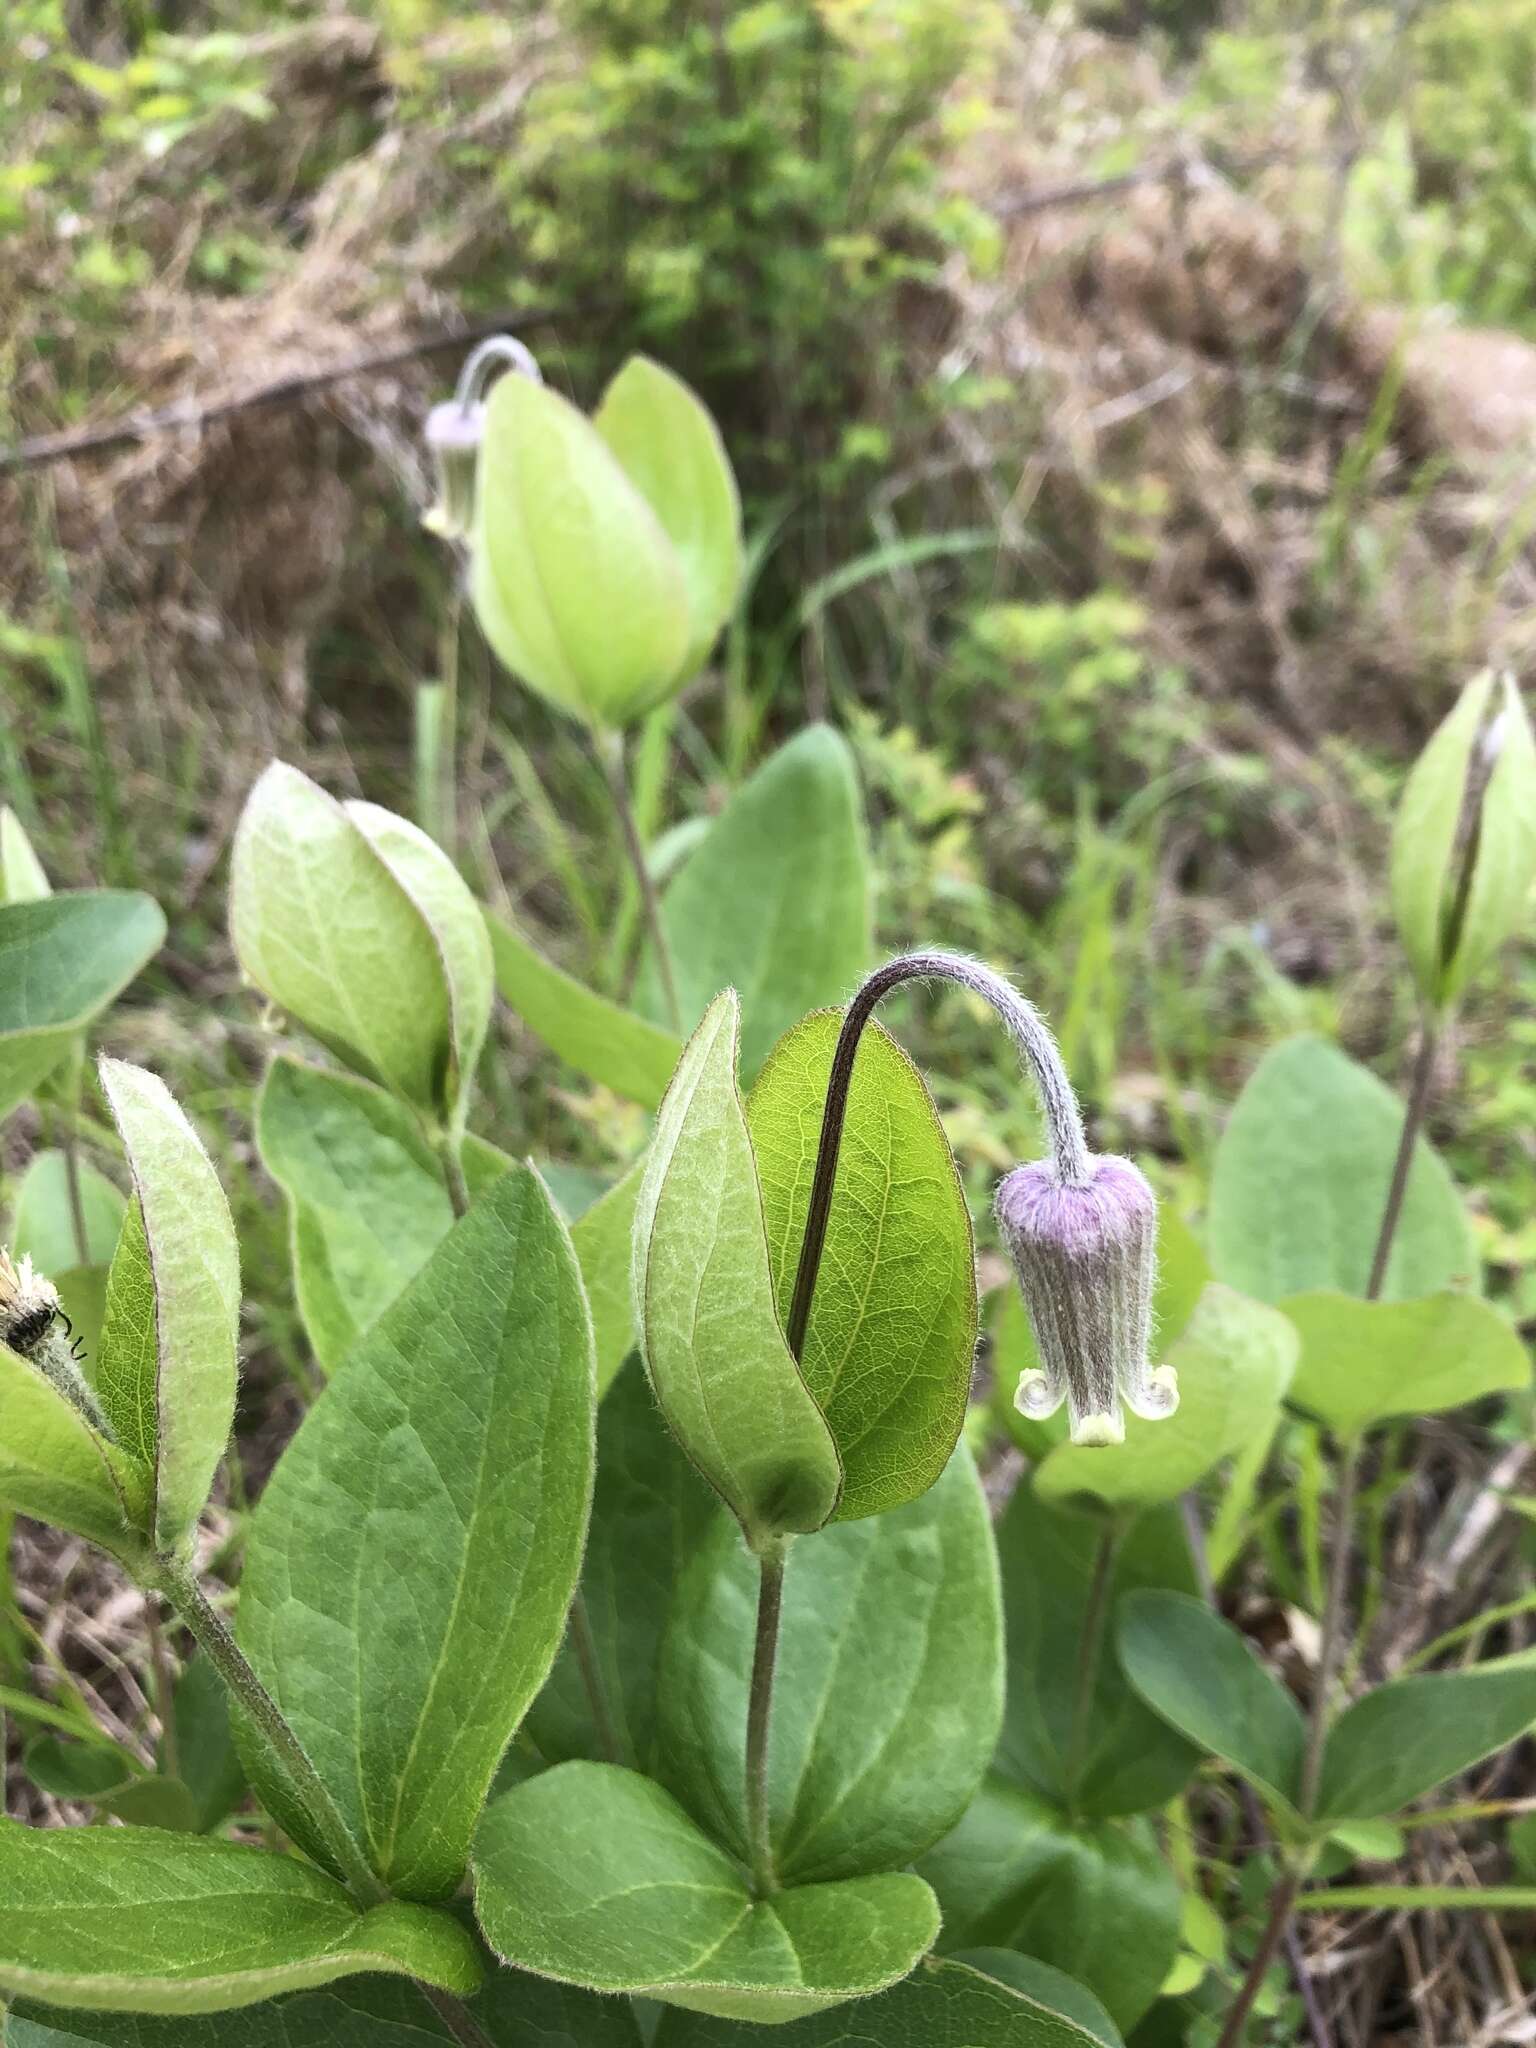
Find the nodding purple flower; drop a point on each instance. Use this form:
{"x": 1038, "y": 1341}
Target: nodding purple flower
{"x": 1082, "y": 1229}
{"x": 1085, "y": 1251}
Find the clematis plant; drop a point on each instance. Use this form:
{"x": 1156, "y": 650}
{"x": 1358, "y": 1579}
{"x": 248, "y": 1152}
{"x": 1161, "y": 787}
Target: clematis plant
{"x": 606, "y": 553}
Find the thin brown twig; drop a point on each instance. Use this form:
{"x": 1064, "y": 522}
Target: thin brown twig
{"x": 191, "y": 414}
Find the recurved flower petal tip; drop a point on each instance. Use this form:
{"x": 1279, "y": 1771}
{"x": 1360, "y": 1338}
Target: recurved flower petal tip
{"x": 1086, "y": 1255}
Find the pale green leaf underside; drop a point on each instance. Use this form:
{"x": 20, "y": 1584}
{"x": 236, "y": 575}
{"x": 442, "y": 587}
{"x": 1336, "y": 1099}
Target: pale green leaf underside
{"x": 515, "y": 2011}
{"x": 62, "y": 960}
{"x": 946, "y": 2003}
{"x": 704, "y": 1298}
{"x": 324, "y": 929}
{"x": 432, "y": 882}
{"x": 137, "y": 1920}
{"x": 188, "y": 1287}
{"x": 412, "y": 1559}
{"x": 596, "y": 1876}
{"x": 670, "y": 449}
{"x": 889, "y": 1690}
{"x": 367, "y": 1198}
{"x": 601, "y": 1040}
{"x": 775, "y": 901}
{"x": 1234, "y": 1363}
{"x": 1017, "y": 1874}
{"x": 1364, "y": 1361}
{"x": 1424, "y": 836}
{"x": 1301, "y": 1178}
{"x": 892, "y": 1335}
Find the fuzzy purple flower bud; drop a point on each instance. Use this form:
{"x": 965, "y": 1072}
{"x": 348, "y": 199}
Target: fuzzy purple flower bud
{"x": 456, "y": 428}
{"x": 1085, "y": 1250}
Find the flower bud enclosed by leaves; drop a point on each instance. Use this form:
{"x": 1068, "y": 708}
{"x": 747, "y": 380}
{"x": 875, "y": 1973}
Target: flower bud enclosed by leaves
{"x": 361, "y": 928}
{"x": 607, "y": 552}
{"x": 1086, "y": 1255}
{"x": 1464, "y": 842}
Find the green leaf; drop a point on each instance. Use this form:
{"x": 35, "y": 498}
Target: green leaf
{"x": 23, "y": 878}
{"x": 205, "y": 1745}
{"x": 514, "y": 2010}
{"x": 650, "y": 1514}
{"x": 1094, "y": 1899}
{"x": 1234, "y": 1363}
{"x": 775, "y": 902}
{"x": 640, "y": 1900}
{"x": 888, "y": 1694}
{"x": 62, "y": 961}
{"x": 366, "y": 1195}
{"x": 703, "y": 1291}
{"x": 1364, "y": 1361}
{"x": 1182, "y": 1276}
{"x": 1405, "y": 1738}
{"x": 413, "y": 1557}
{"x": 138, "y": 1920}
{"x": 1301, "y": 1178}
{"x": 602, "y": 1236}
{"x": 670, "y": 449}
{"x": 168, "y": 1366}
{"x": 1448, "y": 942}
{"x": 325, "y": 928}
{"x": 599, "y": 1039}
{"x": 892, "y": 1335}
{"x": 43, "y": 1227}
{"x": 944, "y": 2004}
{"x": 1195, "y": 1670}
{"x": 451, "y": 914}
{"x": 54, "y": 1466}
{"x": 574, "y": 581}
{"x": 1125, "y": 1759}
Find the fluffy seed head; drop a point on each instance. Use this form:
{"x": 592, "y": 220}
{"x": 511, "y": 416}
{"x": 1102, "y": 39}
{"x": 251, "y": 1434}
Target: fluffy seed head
{"x": 1086, "y": 1255}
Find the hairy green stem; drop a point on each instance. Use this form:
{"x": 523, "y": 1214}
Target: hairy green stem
{"x": 456, "y": 2017}
{"x": 1090, "y": 1654}
{"x": 610, "y": 751}
{"x": 770, "y": 1602}
{"x": 208, "y": 1630}
{"x": 584, "y": 1643}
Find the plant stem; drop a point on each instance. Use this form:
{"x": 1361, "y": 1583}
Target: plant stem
{"x": 1269, "y": 1943}
{"x": 1336, "y": 1596}
{"x": 450, "y": 1152}
{"x": 610, "y": 750}
{"x": 1037, "y": 1051}
{"x": 1335, "y": 1602}
{"x": 456, "y": 2017}
{"x": 1402, "y": 1166}
{"x": 584, "y": 1644}
{"x": 770, "y": 1601}
{"x": 1090, "y": 1653}
{"x": 208, "y": 1630}
{"x": 165, "y": 1688}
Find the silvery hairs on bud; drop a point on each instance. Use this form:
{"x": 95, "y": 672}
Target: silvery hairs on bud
{"x": 1086, "y": 1255}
